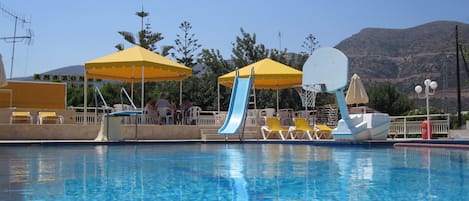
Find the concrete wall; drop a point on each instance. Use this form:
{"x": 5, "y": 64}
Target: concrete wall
{"x": 48, "y": 132}
{"x": 90, "y": 132}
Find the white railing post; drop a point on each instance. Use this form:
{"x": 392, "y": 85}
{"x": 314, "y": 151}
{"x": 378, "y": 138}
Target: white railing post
{"x": 405, "y": 128}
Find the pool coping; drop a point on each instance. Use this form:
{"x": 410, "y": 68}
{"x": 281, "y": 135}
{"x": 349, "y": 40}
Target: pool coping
{"x": 367, "y": 143}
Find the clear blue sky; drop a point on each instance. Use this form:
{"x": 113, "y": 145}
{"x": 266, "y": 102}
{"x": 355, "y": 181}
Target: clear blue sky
{"x": 73, "y": 32}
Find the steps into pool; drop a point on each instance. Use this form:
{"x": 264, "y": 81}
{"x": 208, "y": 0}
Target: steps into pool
{"x": 212, "y": 134}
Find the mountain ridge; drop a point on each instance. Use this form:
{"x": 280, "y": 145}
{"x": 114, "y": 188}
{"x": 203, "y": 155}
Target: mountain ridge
{"x": 408, "y": 56}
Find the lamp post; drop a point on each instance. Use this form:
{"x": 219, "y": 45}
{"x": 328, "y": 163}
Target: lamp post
{"x": 428, "y": 84}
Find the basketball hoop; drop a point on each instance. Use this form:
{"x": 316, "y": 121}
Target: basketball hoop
{"x": 308, "y": 97}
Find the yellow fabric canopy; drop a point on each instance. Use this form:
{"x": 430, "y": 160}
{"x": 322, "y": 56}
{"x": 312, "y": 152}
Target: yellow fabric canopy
{"x": 127, "y": 66}
{"x": 268, "y": 74}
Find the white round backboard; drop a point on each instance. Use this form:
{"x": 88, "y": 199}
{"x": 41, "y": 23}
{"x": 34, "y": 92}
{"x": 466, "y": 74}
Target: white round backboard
{"x": 326, "y": 70}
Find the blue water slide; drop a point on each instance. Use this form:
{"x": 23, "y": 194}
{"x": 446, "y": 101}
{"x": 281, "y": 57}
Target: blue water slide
{"x": 238, "y": 106}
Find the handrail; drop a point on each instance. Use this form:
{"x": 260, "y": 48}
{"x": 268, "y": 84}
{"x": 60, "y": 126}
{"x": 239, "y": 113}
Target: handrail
{"x": 97, "y": 91}
{"x": 128, "y": 98}
{"x": 409, "y": 125}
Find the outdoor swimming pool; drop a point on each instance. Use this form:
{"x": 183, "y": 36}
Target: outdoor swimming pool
{"x": 193, "y": 171}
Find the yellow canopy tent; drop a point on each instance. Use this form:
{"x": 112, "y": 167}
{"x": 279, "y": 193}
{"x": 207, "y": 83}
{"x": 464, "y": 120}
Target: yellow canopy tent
{"x": 133, "y": 65}
{"x": 268, "y": 74}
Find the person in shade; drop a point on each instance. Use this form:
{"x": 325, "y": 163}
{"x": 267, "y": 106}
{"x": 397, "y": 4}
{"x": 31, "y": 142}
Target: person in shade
{"x": 151, "y": 111}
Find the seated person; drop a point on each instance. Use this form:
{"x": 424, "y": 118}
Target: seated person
{"x": 185, "y": 107}
{"x": 151, "y": 111}
{"x": 163, "y": 103}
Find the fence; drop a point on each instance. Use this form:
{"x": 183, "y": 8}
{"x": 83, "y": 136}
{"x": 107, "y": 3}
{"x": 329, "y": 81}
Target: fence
{"x": 401, "y": 126}
{"x": 411, "y": 126}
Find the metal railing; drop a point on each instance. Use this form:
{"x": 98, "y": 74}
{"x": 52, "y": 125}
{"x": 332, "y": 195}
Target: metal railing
{"x": 411, "y": 126}
{"x": 401, "y": 126}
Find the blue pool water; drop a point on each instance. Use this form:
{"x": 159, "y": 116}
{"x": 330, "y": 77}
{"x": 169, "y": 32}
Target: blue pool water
{"x": 231, "y": 172}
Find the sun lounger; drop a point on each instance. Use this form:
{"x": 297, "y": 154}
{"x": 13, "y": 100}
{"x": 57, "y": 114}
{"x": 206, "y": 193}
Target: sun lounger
{"x": 21, "y": 117}
{"x": 301, "y": 130}
{"x": 273, "y": 126}
{"x": 49, "y": 117}
{"x": 323, "y": 131}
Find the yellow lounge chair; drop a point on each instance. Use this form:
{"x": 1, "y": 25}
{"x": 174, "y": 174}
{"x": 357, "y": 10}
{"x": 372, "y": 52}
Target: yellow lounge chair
{"x": 273, "y": 126}
{"x": 302, "y": 128}
{"x": 49, "y": 117}
{"x": 21, "y": 117}
{"x": 323, "y": 131}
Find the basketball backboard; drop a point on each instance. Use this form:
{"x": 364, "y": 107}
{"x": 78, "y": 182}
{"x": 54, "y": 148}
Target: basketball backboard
{"x": 326, "y": 70}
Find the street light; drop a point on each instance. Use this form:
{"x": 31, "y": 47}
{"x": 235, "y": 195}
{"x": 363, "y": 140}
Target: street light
{"x": 428, "y": 84}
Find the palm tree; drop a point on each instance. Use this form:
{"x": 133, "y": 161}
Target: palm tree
{"x": 146, "y": 38}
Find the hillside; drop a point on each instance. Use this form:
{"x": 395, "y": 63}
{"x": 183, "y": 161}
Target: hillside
{"x": 406, "y": 57}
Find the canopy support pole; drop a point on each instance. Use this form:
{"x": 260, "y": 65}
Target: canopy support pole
{"x": 85, "y": 99}
{"x": 132, "y": 90}
{"x": 180, "y": 103}
{"x": 142, "y": 101}
{"x": 277, "y": 104}
{"x": 218, "y": 97}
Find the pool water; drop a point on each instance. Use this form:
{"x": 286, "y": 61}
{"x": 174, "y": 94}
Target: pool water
{"x": 196, "y": 171}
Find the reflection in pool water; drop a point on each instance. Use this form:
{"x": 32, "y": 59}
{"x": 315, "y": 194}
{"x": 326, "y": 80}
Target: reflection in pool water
{"x": 231, "y": 172}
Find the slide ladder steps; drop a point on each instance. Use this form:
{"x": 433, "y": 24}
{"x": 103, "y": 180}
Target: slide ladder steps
{"x": 212, "y": 135}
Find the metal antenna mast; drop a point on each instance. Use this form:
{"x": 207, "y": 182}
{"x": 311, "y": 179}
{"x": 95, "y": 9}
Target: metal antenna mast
{"x": 15, "y": 38}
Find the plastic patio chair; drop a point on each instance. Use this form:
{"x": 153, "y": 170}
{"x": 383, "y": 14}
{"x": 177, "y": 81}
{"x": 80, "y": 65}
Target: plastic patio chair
{"x": 272, "y": 126}
{"x": 193, "y": 116}
{"x": 167, "y": 114}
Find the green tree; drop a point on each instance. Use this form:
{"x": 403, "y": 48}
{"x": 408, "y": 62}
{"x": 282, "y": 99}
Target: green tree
{"x": 146, "y": 38}
{"x": 186, "y": 46}
{"x": 207, "y": 97}
{"x": 310, "y": 44}
{"x": 385, "y": 98}
{"x": 65, "y": 78}
{"x": 55, "y": 78}
{"x": 37, "y": 76}
{"x": 246, "y": 50}
{"x": 215, "y": 62}
{"x": 73, "y": 79}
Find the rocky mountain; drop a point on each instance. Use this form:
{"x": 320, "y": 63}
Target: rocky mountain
{"x": 406, "y": 57}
